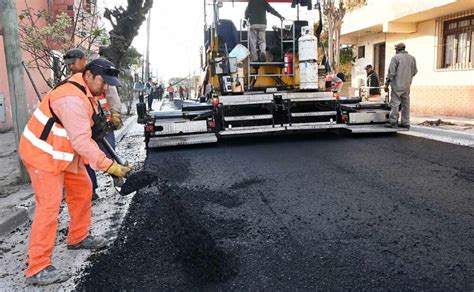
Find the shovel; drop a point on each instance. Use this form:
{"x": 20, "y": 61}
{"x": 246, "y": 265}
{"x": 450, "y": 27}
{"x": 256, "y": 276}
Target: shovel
{"x": 140, "y": 179}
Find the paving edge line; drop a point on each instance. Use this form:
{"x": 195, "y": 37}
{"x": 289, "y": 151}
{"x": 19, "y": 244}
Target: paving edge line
{"x": 119, "y": 134}
{"x": 442, "y": 135}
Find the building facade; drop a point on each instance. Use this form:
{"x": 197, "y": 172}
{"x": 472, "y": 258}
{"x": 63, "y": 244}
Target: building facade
{"x": 53, "y": 7}
{"x": 438, "y": 33}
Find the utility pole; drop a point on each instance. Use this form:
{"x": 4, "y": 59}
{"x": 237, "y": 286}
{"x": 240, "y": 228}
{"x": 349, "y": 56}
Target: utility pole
{"x": 147, "y": 73}
{"x": 16, "y": 84}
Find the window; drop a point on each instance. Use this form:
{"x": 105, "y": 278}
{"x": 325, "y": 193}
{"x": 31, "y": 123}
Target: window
{"x": 360, "y": 52}
{"x": 457, "y": 43}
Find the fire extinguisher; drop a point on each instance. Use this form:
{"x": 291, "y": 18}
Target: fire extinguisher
{"x": 288, "y": 63}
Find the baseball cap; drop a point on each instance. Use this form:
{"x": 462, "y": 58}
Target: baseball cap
{"x": 72, "y": 55}
{"x": 106, "y": 69}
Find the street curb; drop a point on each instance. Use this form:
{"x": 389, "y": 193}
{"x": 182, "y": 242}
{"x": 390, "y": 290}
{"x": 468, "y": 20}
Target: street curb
{"x": 17, "y": 219}
{"x": 442, "y": 135}
{"x": 126, "y": 126}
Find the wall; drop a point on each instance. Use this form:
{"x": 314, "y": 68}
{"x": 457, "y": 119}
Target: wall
{"x": 433, "y": 91}
{"x": 389, "y": 10}
{"x": 40, "y": 83}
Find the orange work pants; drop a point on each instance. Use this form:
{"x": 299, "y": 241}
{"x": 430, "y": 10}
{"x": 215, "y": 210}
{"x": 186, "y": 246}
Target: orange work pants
{"x": 48, "y": 188}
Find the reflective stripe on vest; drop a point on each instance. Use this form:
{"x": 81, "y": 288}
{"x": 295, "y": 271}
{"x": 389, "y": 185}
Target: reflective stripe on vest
{"x": 43, "y": 119}
{"x": 106, "y": 109}
{"x": 58, "y": 155}
{"x": 45, "y": 143}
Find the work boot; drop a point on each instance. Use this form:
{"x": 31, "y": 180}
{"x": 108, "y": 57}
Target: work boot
{"x": 389, "y": 125}
{"x": 405, "y": 127}
{"x": 47, "y": 276}
{"x": 262, "y": 57}
{"x": 90, "y": 242}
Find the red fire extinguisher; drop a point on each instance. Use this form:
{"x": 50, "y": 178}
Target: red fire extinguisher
{"x": 288, "y": 63}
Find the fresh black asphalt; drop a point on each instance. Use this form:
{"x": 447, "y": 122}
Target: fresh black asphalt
{"x": 313, "y": 212}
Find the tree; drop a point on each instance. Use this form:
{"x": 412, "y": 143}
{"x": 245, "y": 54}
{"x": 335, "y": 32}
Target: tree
{"x": 47, "y": 43}
{"x": 125, "y": 26}
{"x": 334, "y": 14}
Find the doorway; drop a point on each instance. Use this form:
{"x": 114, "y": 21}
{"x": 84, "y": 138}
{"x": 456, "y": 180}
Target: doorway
{"x": 379, "y": 61}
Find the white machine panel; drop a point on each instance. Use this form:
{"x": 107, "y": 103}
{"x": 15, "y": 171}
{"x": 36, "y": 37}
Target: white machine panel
{"x": 180, "y": 127}
{"x": 368, "y": 117}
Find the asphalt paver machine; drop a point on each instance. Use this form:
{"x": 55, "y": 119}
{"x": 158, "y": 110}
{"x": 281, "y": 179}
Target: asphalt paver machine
{"x": 278, "y": 93}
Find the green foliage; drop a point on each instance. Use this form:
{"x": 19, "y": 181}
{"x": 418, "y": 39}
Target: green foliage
{"x": 347, "y": 55}
{"x": 47, "y": 38}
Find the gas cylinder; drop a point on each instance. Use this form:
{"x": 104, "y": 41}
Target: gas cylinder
{"x": 288, "y": 58}
{"x": 308, "y": 59}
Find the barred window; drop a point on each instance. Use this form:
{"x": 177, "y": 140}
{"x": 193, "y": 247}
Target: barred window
{"x": 457, "y": 43}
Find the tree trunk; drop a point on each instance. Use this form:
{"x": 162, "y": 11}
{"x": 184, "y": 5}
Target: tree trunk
{"x": 125, "y": 26}
{"x": 334, "y": 18}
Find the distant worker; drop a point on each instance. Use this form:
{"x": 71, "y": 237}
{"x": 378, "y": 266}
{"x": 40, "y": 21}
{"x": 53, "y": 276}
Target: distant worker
{"x": 256, "y": 14}
{"x": 400, "y": 74}
{"x": 181, "y": 92}
{"x": 159, "y": 92}
{"x": 149, "y": 93}
{"x": 56, "y": 141}
{"x": 170, "y": 91}
{"x": 110, "y": 103}
{"x": 372, "y": 82}
{"x": 334, "y": 82}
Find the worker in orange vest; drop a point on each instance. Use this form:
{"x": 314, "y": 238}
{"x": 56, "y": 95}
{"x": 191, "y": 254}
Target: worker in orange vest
{"x": 110, "y": 103}
{"x": 334, "y": 82}
{"x": 56, "y": 143}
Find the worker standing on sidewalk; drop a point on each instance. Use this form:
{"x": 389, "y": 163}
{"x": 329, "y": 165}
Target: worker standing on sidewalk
{"x": 401, "y": 71}
{"x": 55, "y": 144}
{"x": 110, "y": 103}
{"x": 170, "y": 91}
{"x": 372, "y": 82}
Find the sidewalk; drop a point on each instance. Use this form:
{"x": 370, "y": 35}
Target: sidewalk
{"x": 453, "y": 130}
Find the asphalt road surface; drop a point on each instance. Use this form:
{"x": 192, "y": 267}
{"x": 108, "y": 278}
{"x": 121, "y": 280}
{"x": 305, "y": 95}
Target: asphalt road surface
{"x": 321, "y": 212}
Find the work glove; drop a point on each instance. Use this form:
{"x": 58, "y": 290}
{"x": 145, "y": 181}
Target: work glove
{"x": 118, "y": 170}
{"x": 116, "y": 120}
{"x": 282, "y": 18}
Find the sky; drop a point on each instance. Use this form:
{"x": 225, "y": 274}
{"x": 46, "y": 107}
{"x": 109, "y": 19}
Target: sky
{"x": 177, "y": 32}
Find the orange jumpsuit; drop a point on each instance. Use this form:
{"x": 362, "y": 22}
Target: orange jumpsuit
{"x": 56, "y": 161}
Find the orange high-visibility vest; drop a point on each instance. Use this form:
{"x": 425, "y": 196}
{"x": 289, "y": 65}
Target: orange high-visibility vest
{"x": 44, "y": 143}
{"x": 106, "y": 108}
{"x": 331, "y": 85}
